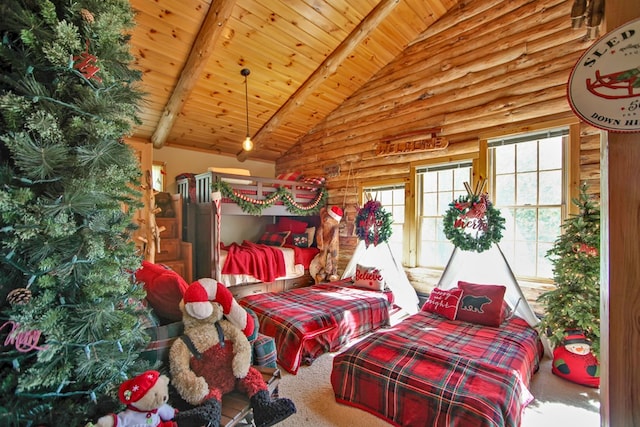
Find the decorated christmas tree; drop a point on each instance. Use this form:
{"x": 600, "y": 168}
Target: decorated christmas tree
{"x": 68, "y": 187}
{"x": 575, "y": 302}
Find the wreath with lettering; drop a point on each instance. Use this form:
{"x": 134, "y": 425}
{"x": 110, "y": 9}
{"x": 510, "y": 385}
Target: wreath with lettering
{"x": 472, "y": 223}
{"x": 373, "y": 223}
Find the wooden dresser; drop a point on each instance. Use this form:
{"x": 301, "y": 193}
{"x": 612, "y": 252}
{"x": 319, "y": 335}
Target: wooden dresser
{"x": 173, "y": 252}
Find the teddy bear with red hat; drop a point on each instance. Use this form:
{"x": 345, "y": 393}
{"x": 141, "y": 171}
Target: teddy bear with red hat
{"x": 328, "y": 241}
{"x": 213, "y": 357}
{"x": 145, "y": 397}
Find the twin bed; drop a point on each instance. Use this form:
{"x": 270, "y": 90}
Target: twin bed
{"x": 426, "y": 370}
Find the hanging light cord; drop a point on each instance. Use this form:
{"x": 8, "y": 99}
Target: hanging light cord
{"x": 246, "y": 99}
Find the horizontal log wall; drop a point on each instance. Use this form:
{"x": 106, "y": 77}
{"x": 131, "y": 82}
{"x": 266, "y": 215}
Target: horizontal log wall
{"x": 485, "y": 67}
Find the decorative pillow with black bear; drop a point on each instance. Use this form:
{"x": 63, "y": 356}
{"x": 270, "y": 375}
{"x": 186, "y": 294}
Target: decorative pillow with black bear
{"x": 481, "y": 303}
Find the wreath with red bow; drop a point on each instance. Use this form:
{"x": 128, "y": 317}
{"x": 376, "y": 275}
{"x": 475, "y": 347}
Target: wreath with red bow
{"x": 373, "y": 223}
{"x": 472, "y": 223}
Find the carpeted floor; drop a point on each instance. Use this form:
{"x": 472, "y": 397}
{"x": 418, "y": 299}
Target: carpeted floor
{"x": 558, "y": 402}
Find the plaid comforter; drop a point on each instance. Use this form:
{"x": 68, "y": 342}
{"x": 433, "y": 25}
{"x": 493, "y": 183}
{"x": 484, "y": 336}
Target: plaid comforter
{"x": 429, "y": 371}
{"x": 307, "y": 322}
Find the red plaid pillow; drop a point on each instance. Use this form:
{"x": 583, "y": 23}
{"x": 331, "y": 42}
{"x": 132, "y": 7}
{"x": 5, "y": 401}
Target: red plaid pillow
{"x": 320, "y": 180}
{"x": 289, "y": 176}
{"x": 481, "y": 303}
{"x": 274, "y": 239}
{"x": 444, "y": 303}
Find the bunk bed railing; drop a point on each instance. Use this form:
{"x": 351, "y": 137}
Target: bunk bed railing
{"x": 257, "y": 188}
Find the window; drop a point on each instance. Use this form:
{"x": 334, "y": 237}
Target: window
{"x": 392, "y": 199}
{"x": 438, "y": 186}
{"x": 157, "y": 176}
{"x": 528, "y": 177}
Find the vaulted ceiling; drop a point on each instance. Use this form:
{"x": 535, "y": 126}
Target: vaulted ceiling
{"x": 305, "y": 58}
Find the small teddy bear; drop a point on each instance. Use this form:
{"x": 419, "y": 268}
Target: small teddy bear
{"x": 213, "y": 357}
{"x": 146, "y": 398}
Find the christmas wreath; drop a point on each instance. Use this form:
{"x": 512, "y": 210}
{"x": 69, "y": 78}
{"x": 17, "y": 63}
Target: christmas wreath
{"x": 472, "y": 223}
{"x": 373, "y": 223}
{"x": 255, "y": 206}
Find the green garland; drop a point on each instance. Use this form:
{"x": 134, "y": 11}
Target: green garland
{"x": 256, "y": 206}
{"x": 373, "y": 223}
{"x": 472, "y": 223}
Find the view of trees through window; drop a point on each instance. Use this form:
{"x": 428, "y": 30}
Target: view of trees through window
{"x": 438, "y": 186}
{"x": 392, "y": 199}
{"x": 528, "y": 182}
{"x": 527, "y": 186}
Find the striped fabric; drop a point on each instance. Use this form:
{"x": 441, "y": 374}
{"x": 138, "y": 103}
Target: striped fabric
{"x": 307, "y": 322}
{"x": 430, "y": 371}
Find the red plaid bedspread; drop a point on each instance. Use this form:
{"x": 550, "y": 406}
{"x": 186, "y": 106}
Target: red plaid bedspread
{"x": 307, "y": 322}
{"x": 429, "y": 371}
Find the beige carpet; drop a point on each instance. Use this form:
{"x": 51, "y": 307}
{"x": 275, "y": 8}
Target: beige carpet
{"x": 558, "y": 402}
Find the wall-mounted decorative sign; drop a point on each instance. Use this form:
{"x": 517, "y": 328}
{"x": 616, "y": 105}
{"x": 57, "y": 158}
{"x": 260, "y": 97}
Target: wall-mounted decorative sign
{"x": 331, "y": 171}
{"x": 412, "y": 142}
{"x": 604, "y": 85}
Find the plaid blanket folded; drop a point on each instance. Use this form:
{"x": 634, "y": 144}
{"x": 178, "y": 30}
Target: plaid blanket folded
{"x": 307, "y": 322}
{"x": 429, "y": 371}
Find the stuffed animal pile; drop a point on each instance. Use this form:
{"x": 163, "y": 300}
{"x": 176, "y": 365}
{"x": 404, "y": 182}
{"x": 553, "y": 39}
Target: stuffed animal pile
{"x": 213, "y": 357}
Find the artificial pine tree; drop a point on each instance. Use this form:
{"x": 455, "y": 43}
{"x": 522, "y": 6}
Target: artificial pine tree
{"x": 69, "y": 309}
{"x": 575, "y": 302}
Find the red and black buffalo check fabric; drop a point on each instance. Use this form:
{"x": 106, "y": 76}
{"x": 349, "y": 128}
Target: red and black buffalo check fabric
{"x": 307, "y": 322}
{"x": 430, "y": 371}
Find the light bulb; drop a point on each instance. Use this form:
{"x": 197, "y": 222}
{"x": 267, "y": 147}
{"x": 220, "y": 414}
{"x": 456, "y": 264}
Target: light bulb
{"x": 247, "y": 144}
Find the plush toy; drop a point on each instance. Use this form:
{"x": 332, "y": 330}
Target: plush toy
{"x": 146, "y": 398}
{"x": 213, "y": 357}
{"x": 164, "y": 289}
{"x": 165, "y": 204}
{"x": 328, "y": 241}
{"x": 574, "y": 361}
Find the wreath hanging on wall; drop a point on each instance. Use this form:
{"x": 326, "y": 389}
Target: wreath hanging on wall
{"x": 472, "y": 223}
{"x": 373, "y": 223}
{"x": 256, "y": 206}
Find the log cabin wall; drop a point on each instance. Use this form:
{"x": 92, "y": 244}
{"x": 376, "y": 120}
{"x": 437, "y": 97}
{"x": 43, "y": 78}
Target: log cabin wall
{"x": 469, "y": 74}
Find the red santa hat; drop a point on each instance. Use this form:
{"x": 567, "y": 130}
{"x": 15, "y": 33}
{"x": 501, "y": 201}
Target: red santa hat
{"x": 134, "y": 388}
{"x": 199, "y": 296}
{"x": 335, "y": 212}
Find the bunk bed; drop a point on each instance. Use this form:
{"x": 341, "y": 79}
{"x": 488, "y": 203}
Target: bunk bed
{"x": 212, "y": 196}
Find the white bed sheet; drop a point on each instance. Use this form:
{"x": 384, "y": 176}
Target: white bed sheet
{"x": 292, "y": 270}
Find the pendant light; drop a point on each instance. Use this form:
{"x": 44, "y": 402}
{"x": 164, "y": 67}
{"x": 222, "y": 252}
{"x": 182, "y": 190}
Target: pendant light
{"x": 247, "y": 144}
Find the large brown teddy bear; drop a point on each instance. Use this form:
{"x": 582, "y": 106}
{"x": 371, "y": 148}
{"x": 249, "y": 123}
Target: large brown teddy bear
{"x": 213, "y": 357}
{"x": 328, "y": 241}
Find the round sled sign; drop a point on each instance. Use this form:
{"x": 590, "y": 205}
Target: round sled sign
{"x": 604, "y": 85}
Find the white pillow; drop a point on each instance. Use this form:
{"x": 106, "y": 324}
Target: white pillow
{"x": 368, "y": 278}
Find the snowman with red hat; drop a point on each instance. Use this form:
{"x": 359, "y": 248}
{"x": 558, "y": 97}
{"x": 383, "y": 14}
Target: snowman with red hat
{"x": 574, "y": 361}
{"x": 328, "y": 241}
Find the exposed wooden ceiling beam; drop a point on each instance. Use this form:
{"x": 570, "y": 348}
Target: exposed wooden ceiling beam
{"x": 211, "y": 29}
{"x": 327, "y": 68}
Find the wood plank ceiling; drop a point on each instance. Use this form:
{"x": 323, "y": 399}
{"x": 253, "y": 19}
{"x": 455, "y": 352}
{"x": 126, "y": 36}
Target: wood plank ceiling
{"x": 305, "y": 56}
